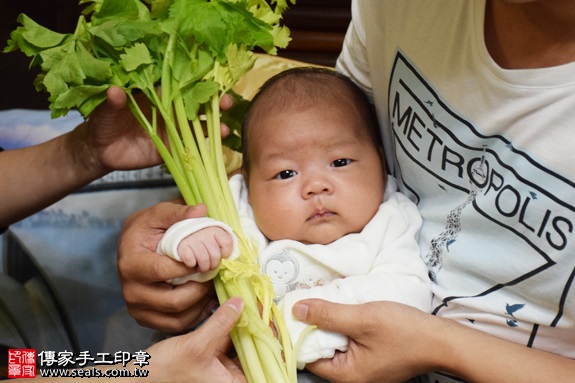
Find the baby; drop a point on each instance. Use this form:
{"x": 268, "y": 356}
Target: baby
{"x": 314, "y": 197}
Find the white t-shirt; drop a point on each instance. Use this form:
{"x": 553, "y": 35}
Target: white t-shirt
{"x": 488, "y": 156}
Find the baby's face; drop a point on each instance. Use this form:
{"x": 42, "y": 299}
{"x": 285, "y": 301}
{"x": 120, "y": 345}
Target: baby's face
{"x": 315, "y": 175}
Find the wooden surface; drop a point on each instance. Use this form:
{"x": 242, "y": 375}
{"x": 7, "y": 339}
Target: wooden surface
{"x": 317, "y": 30}
{"x": 16, "y": 79}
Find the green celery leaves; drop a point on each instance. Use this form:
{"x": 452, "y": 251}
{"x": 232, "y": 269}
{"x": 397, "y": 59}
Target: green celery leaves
{"x": 125, "y": 43}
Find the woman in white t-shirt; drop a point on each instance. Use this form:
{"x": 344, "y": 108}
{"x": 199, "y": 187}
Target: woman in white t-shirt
{"x": 476, "y": 101}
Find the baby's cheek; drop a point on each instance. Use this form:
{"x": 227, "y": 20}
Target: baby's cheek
{"x": 268, "y": 225}
{"x": 276, "y": 211}
{"x": 274, "y": 223}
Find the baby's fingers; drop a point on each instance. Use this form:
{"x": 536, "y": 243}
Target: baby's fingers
{"x": 204, "y": 259}
{"x": 212, "y": 256}
{"x": 190, "y": 253}
{"x": 205, "y": 248}
{"x": 225, "y": 242}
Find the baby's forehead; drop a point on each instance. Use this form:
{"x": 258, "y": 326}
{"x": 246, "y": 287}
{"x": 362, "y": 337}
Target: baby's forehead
{"x": 308, "y": 89}
{"x": 296, "y": 94}
{"x": 303, "y": 139}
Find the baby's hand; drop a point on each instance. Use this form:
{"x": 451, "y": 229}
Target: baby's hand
{"x": 205, "y": 248}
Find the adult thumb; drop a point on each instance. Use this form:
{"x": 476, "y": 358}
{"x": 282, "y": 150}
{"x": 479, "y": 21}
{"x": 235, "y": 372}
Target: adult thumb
{"x": 165, "y": 214}
{"x": 222, "y": 321}
{"x": 176, "y": 210}
{"x": 326, "y": 315}
{"x": 116, "y": 98}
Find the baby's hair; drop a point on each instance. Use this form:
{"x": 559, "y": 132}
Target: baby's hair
{"x": 298, "y": 87}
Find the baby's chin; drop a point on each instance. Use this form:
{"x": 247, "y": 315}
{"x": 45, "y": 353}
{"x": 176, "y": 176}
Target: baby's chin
{"x": 322, "y": 238}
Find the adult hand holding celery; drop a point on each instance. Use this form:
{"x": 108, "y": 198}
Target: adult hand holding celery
{"x": 196, "y": 50}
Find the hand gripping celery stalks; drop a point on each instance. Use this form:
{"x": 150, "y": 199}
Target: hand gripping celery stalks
{"x": 196, "y": 50}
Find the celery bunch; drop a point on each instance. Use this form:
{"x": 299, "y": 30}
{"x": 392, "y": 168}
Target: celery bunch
{"x": 196, "y": 50}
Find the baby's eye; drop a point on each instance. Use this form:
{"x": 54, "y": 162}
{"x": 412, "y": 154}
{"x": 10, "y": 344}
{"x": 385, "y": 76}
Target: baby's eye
{"x": 341, "y": 162}
{"x": 285, "y": 174}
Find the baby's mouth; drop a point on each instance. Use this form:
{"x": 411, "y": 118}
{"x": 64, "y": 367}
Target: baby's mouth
{"x": 321, "y": 214}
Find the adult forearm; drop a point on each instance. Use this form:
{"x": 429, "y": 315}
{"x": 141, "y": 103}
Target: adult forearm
{"x": 478, "y": 357}
{"x": 33, "y": 178}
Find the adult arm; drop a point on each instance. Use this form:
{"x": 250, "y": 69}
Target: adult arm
{"x": 392, "y": 342}
{"x": 110, "y": 139}
{"x": 34, "y": 177}
{"x": 143, "y": 272}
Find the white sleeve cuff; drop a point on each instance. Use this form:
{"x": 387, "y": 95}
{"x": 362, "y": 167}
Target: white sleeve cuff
{"x": 317, "y": 344}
